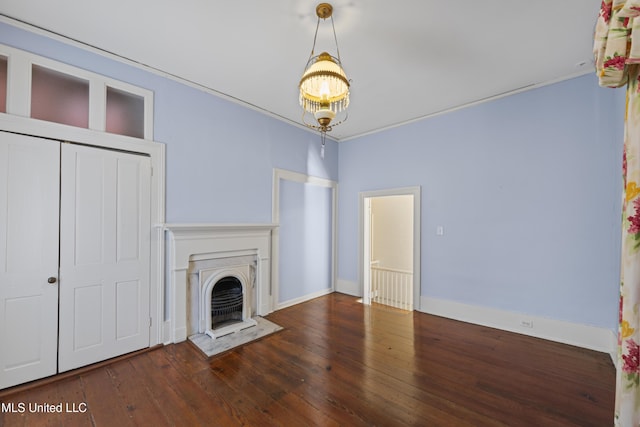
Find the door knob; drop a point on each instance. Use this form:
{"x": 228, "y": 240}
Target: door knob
{"x": 52, "y": 280}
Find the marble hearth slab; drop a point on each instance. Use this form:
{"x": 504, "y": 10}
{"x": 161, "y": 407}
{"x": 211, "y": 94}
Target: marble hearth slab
{"x": 211, "y": 347}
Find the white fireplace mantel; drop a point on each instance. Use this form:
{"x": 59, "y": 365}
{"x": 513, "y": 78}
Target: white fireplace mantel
{"x": 186, "y": 242}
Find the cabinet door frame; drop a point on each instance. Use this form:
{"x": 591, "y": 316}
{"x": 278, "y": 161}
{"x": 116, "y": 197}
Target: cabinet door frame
{"x": 156, "y": 152}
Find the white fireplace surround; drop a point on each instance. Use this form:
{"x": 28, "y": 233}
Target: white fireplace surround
{"x": 193, "y": 242}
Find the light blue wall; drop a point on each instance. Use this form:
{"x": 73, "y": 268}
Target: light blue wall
{"x": 220, "y": 155}
{"x": 305, "y": 251}
{"x": 527, "y": 189}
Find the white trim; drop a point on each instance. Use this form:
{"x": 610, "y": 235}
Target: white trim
{"x": 197, "y": 228}
{"x": 166, "y": 332}
{"x": 18, "y": 83}
{"x": 576, "y": 334}
{"x": 19, "y": 88}
{"x": 349, "y": 287}
{"x": 279, "y": 174}
{"x": 363, "y": 226}
{"x": 303, "y": 178}
{"x": 613, "y": 353}
{"x": 303, "y": 298}
{"x": 97, "y": 105}
{"x": 156, "y": 153}
{"x": 365, "y": 241}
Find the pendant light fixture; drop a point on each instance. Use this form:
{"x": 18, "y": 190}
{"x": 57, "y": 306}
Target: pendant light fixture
{"x": 324, "y": 87}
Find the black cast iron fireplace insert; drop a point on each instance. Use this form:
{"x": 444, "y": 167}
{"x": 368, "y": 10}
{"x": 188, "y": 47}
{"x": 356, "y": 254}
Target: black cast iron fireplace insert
{"x": 226, "y": 302}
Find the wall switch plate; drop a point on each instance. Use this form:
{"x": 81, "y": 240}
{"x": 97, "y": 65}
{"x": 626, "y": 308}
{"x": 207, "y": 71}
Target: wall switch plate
{"x": 440, "y": 231}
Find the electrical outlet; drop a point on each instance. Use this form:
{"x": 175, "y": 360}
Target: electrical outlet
{"x": 526, "y": 323}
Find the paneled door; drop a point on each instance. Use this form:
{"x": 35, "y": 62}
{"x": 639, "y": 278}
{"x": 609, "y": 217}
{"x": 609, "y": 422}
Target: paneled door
{"x": 104, "y": 254}
{"x": 29, "y": 209}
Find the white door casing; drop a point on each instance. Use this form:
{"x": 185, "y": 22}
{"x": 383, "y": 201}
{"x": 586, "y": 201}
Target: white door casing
{"x": 29, "y": 209}
{"x": 364, "y": 238}
{"x": 104, "y": 254}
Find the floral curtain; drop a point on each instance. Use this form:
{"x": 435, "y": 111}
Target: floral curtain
{"x": 617, "y": 55}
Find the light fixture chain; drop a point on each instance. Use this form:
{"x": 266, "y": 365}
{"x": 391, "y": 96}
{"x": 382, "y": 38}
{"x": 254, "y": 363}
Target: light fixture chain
{"x": 335, "y": 38}
{"x": 315, "y": 36}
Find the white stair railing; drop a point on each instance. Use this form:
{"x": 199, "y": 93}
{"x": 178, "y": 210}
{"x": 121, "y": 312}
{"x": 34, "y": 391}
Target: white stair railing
{"x": 392, "y": 287}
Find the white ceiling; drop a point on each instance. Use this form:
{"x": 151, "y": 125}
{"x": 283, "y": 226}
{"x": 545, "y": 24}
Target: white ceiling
{"x": 407, "y": 59}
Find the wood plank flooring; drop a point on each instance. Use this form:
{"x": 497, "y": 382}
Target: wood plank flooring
{"x": 339, "y": 363}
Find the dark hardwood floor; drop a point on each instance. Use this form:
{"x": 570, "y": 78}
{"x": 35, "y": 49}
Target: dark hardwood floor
{"x": 338, "y": 362}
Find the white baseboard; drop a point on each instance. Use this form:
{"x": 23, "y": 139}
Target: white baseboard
{"x": 166, "y": 332}
{"x": 585, "y": 336}
{"x": 614, "y": 349}
{"x": 304, "y": 298}
{"x": 348, "y": 287}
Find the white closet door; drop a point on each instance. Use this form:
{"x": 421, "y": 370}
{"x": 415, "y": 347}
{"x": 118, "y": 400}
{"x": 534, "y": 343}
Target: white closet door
{"x": 29, "y": 208}
{"x": 104, "y": 255}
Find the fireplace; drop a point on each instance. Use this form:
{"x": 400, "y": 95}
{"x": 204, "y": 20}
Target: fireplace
{"x": 223, "y": 291}
{"x": 200, "y": 255}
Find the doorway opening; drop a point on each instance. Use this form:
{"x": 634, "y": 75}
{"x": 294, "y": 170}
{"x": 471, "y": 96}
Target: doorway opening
{"x": 390, "y": 247}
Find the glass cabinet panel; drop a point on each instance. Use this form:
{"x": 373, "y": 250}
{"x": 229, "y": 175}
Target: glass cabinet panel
{"x": 125, "y": 113}
{"x": 3, "y": 84}
{"x": 59, "y": 97}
